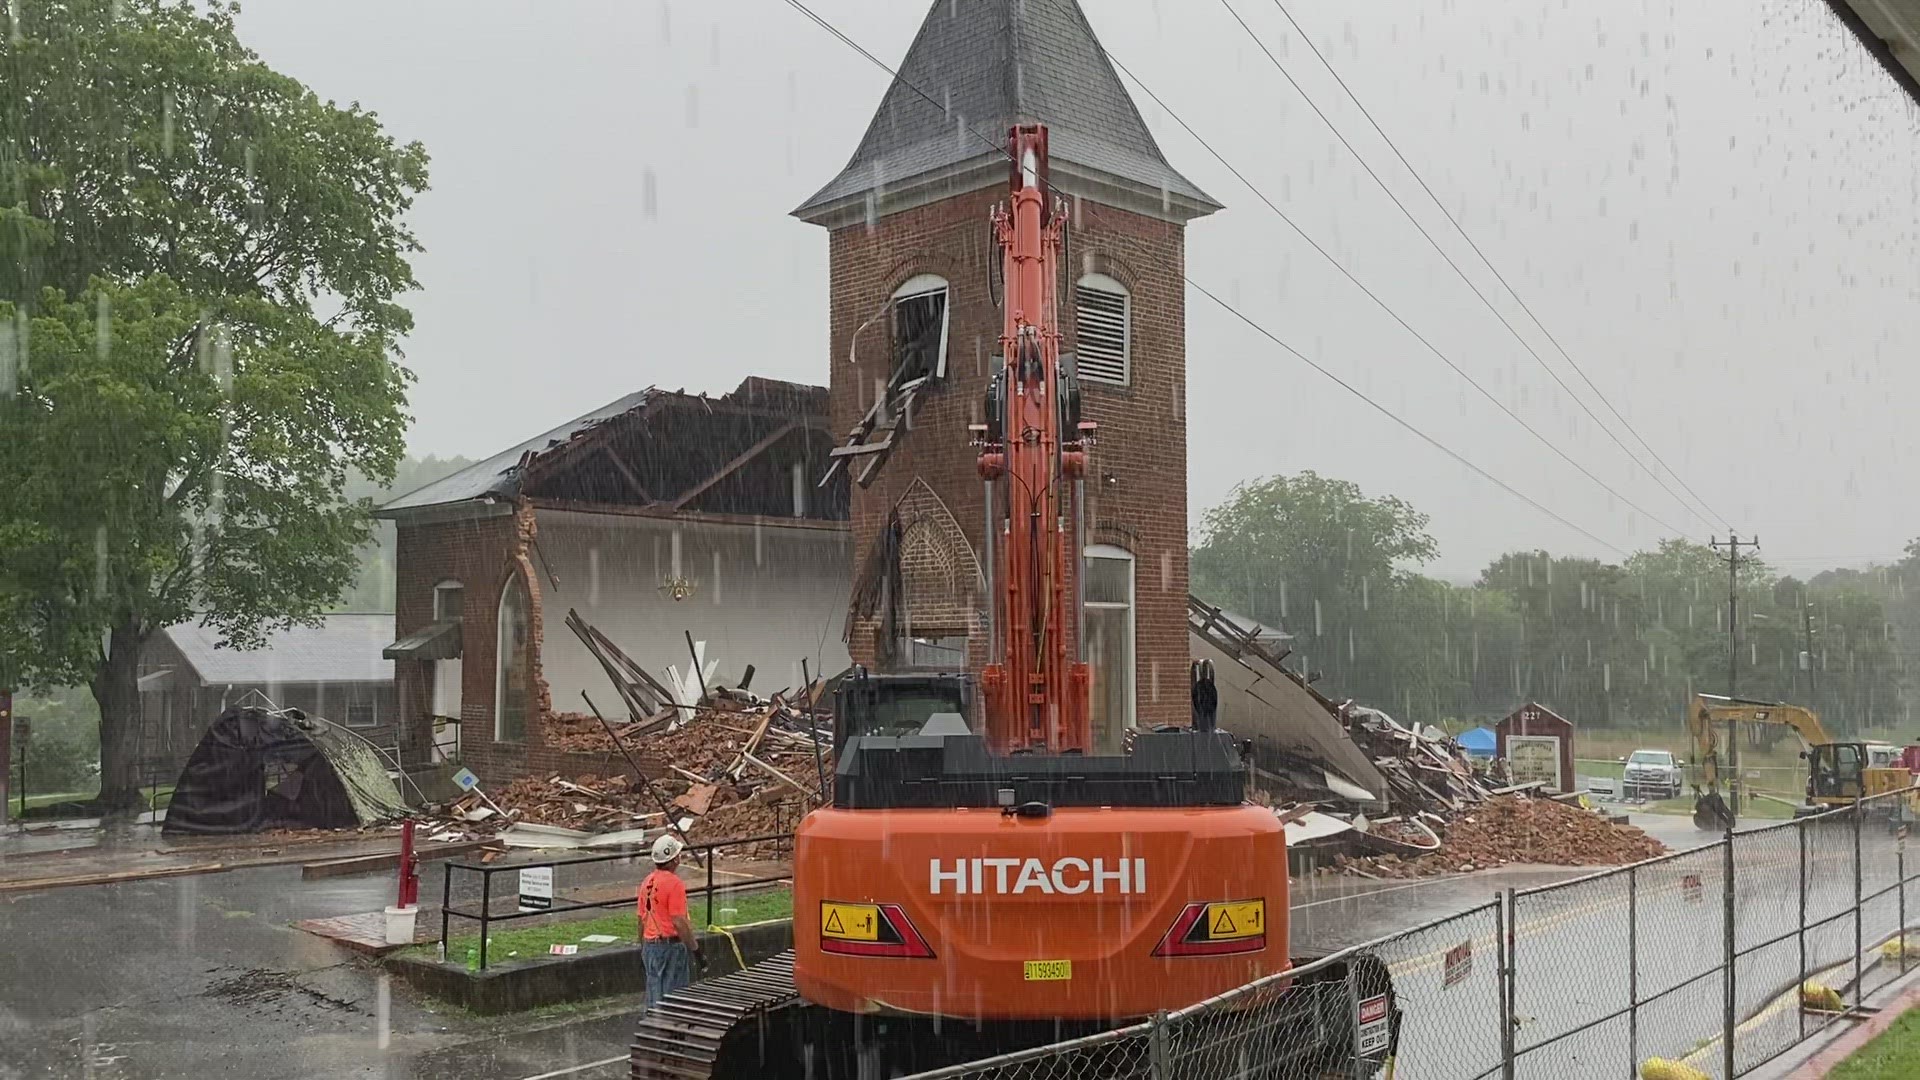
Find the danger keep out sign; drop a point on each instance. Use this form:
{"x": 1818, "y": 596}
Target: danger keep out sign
{"x": 1375, "y": 1033}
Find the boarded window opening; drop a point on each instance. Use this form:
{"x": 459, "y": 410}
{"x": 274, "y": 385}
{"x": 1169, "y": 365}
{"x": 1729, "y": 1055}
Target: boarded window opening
{"x": 1102, "y": 326}
{"x": 1110, "y": 646}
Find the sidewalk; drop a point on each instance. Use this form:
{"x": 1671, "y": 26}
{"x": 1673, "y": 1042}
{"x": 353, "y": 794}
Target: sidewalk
{"x": 93, "y": 854}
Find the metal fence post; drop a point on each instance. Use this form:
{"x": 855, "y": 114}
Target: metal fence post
{"x": 709, "y": 886}
{"x": 1503, "y": 932}
{"x": 446, "y": 901}
{"x": 1859, "y": 977}
{"x": 1900, "y": 875}
{"x": 1633, "y": 973}
{"x": 1159, "y": 1059}
{"x": 1353, "y": 1020}
{"x": 1801, "y": 829}
{"x": 486, "y": 912}
{"x": 1728, "y": 982}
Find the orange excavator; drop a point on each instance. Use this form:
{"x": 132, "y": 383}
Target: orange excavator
{"x": 968, "y": 893}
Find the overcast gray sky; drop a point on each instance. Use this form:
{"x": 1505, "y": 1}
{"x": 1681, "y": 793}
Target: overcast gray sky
{"x": 1711, "y": 204}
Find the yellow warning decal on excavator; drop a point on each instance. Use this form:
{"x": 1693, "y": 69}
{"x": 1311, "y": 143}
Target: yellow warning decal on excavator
{"x": 850, "y": 922}
{"x": 1235, "y": 920}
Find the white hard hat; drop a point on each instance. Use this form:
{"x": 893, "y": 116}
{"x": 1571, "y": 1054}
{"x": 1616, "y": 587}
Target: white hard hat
{"x": 667, "y": 848}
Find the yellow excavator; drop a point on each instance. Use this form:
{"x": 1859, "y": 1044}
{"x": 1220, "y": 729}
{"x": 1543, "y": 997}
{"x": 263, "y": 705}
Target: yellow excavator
{"x": 1838, "y": 773}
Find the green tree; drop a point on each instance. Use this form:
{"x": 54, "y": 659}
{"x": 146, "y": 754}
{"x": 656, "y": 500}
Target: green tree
{"x": 199, "y": 268}
{"x": 373, "y": 584}
{"x": 1322, "y": 559}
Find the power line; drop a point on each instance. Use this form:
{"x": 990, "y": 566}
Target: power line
{"x": 1371, "y": 295}
{"x": 1485, "y": 261}
{"x": 801, "y": 7}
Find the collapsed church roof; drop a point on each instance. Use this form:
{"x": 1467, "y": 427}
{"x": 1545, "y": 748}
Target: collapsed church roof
{"x": 666, "y": 451}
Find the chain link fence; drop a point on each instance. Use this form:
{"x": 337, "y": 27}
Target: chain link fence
{"x": 1717, "y": 959}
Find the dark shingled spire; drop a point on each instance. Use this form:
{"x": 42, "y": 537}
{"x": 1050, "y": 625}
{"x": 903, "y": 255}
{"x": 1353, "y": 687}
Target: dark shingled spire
{"x": 991, "y": 64}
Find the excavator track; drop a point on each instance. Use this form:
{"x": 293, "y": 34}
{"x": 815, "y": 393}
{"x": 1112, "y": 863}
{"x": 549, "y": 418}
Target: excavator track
{"x": 753, "y": 1025}
{"x": 695, "y": 1032}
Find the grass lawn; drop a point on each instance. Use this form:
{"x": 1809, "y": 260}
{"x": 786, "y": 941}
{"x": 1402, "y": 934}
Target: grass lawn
{"x": 1894, "y": 1052}
{"x": 524, "y": 942}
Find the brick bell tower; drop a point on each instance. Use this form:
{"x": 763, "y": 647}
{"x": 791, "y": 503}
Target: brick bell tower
{"x": 915, "y": 328}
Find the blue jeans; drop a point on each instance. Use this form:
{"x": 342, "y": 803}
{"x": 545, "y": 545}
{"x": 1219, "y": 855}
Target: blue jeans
{"x": 669, "y": 967}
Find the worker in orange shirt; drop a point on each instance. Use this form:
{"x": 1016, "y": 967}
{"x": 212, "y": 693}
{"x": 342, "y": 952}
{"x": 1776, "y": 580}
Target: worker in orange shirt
{"x": 667, "y": 944}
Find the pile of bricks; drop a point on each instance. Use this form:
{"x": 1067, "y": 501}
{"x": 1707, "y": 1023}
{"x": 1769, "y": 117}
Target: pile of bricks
{"x": 1511, "y": 829}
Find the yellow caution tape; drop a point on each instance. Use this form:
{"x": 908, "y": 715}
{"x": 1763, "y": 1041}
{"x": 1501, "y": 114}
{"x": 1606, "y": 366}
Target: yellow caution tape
{"x": 1662, "y": 1069}
{"x": 728, "y": 934}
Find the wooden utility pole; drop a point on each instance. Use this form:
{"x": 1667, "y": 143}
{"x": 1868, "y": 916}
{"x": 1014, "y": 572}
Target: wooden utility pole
{"x": 1733, "y": 545}
{"x": 1806, "y": 620}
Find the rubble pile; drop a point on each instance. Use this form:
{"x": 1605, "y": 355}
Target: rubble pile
{"x": 1424, "y": 770}
{"x": 1516, "y": 829}
{"x": 735, "y": 769}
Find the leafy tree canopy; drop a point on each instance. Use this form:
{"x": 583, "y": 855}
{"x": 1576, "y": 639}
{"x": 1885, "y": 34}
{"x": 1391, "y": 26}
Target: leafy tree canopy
{"x": 200, "y": 263}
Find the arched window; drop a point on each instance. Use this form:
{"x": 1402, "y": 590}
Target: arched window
{"x": 1103, "y": 325}
{"x": 920, "y": 329}
{"x": 511, "y": 686}
{"x": 1109, "y": 619}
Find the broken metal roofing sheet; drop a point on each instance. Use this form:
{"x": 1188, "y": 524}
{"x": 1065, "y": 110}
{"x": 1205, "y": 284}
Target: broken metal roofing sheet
{"x": 988, "y": 65}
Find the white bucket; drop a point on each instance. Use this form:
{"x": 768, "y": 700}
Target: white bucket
{"x": 400, "y": 924}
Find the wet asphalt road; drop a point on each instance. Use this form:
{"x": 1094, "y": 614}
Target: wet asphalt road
{"x": 204, "y": 976}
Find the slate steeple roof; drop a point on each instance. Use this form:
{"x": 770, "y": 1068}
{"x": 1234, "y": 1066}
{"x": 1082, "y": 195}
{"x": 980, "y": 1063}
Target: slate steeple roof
{"x": 987, "y": 65}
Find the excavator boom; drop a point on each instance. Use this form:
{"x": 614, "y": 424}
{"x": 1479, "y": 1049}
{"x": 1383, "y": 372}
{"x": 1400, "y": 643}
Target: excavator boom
{"x": 1033, "y": 448}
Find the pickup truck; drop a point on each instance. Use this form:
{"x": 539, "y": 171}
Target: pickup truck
{"x": 1652, "y": 774}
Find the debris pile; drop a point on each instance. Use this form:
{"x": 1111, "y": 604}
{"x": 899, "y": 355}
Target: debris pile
{"x": 1445, "y": 813}
{"x": 1424, "y": 770}
{"x": 1516, "y": 829}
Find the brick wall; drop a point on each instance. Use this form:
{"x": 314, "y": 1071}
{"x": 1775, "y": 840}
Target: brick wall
{"x": 1136, "y": 490}
{"x": 478, "y": 553}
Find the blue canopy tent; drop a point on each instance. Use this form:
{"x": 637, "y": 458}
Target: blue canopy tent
{"x": 1479, "y": 742}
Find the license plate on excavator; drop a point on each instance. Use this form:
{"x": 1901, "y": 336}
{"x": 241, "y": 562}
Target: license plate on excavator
{"x": 1049, "y": 970}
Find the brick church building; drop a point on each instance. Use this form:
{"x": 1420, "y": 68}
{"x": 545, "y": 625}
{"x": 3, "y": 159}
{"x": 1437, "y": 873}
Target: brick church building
{"x": 772, "y": 520}
{"x": 915, "y": 325}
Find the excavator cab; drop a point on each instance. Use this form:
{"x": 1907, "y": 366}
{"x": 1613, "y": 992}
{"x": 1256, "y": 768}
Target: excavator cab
{"x": 897, "y": 705}
{"x": 1836, "y": 773}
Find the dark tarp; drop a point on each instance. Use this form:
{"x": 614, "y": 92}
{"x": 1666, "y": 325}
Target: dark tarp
{"x": 256, "y": 770}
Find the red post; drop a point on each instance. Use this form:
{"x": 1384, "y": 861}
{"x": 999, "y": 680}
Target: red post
{"x": 409, "y": 867}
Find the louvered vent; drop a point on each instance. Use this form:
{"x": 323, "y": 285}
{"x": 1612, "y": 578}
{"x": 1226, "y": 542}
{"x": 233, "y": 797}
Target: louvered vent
{"x": 1102, "y": 349}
